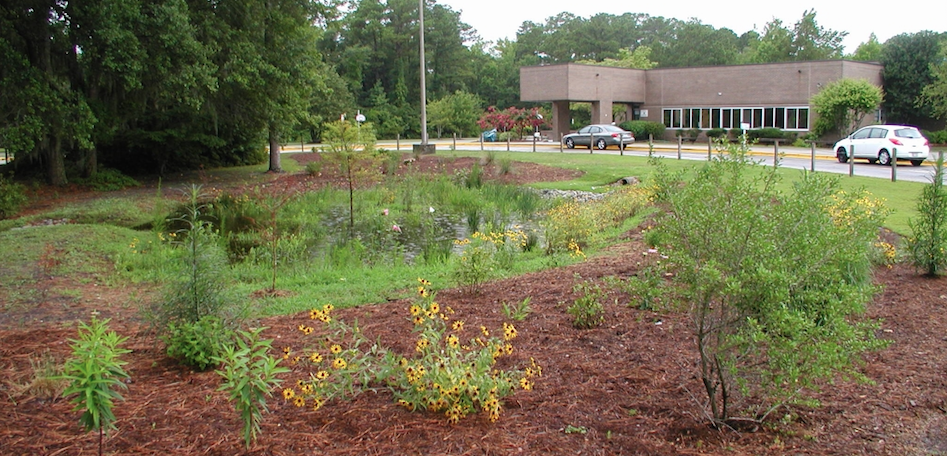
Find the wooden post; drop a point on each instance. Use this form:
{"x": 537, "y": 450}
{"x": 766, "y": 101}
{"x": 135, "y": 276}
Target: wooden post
{"x": 507, "y": 143}
{"x": 534, "y": 143}
{"x": 621, "y": 145}
{"x": 851, "y": 161}
{"x": 679, "y": 141}
{"x": 894, "y": 164}
{"x": 709, "y": 148}
{"x": 481, "y": 142}
{"x": 560, "y": 142}
{"x": 454, "y": 135}
{"x": 398, "y": 142}
{"x": 650, "y": 144}
{"x": 812, "y": 157}
{"x": 591, "y": 140}
{"x": 775, "y": 153}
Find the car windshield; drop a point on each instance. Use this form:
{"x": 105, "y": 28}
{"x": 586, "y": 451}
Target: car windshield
{"x": 907, "y": 133}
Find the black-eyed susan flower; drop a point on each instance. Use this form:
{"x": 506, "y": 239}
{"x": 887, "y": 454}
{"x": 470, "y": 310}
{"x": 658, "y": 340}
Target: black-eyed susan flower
{"x": 315, "y": 358}
{"x": 299, "y": 401}
{"x": 322, "y": 375}
{"x": 422, "y": 344}
{"x": 415, "y": 310}
{"x": 288, "y": 393}
{"x": 526, "y": 384}
{"x": 339, "y": 363}
{"x": 453, "y": 341}
{"x": 458, "y": 325}
{"x": 335, "y": 349}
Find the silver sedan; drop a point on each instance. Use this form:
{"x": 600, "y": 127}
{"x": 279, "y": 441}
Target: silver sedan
{"x": 601, "y": 136}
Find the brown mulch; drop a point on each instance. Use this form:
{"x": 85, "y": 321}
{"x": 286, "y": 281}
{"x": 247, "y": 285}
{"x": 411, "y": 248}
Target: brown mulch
{"x": 629, "y": 384}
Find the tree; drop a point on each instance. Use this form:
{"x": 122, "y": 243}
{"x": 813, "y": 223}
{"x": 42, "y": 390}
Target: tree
{"x": 927, "y": 246}
{"x": 770, "y": 319}
{"x": 639, "y": 58}
{"x": 352, "y": 148}
{"x": 456, "y": 113}
{"x": 869, "y": 51}
{"x": 934, "y": 94}
{"x": 842, "y": 105}
{"x": 775, "y": 44}
{"x": 813, "y": 42}
{"x": 907, "y": 60}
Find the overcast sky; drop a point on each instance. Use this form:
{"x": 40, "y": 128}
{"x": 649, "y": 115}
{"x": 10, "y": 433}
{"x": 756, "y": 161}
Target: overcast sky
{"x": 495, "y": 19}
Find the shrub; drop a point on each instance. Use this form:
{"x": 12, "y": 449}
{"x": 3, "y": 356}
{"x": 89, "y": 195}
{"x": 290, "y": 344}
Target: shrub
{"x": 587, "y": 310}
{"x": 771, "y": 319}
{"x": 927, "y": 246}
{"x": 767, "y": 133}
{"x": 314, "y": 168}
{"x": 716, "y": 133}
{"x": 936, "y": 137}
{"x": 642, "y": 128}
{"x": 249, "y": 374}
{"x": 197, "y": 344}
{"x": 94, "y": 372}
{"x": 107, "y": 180}
{"x": 12, "y": 197}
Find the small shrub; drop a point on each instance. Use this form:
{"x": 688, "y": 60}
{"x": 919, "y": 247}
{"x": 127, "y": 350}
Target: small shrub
{"x": 715, "y": 133}
{"x": 587, "y": 310}
{"x": 107, "y": 180}
{"x": 767, "y": 133}
{"x": 12, "y": 197}
{"x": 47, "y": 381}
{"x": 475, "y": 266}
{"x": 250, "y": 373}
{"x": 642, "y": 128}
{"x": 519, "y": 311}
{"x": 94, "y": 372}
{"x": 314, "y": 168}
{"x": 197, "y": 344}
{"x": 506, "y": 166}
{"x": 927, "y": 246}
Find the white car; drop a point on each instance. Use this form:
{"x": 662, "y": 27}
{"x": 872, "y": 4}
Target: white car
{"x": 878, "y": 143}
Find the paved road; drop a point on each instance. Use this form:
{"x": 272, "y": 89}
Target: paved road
{"x": 790, "y": 157}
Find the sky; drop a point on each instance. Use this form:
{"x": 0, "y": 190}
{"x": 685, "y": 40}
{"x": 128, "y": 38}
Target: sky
{"x": 496, "y": 19}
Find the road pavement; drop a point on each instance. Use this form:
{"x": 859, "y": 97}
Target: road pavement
{"x": 818, "y": 159}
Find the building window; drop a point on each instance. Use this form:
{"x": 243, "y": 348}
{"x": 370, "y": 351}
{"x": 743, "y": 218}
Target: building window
{"x": 784, "y": 118}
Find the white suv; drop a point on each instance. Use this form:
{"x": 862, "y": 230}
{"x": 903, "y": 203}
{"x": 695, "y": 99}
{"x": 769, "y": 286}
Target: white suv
{"x": 878, "y": 143}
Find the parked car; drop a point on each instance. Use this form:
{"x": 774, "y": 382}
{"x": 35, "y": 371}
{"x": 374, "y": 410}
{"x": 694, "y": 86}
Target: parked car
{"x": 601, "y": 136}
{"x": 878, "y": 143}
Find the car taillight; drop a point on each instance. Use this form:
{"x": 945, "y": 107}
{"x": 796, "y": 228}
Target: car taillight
{"x": 926, "y": 142}
{"x": 896, "y": 141}
{"x": 614, "y": 135}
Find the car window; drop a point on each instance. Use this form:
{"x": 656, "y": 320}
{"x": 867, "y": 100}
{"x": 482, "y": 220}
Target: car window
{"x": 613, "y": 128}
{"x": 907, "y": 133}
{"x": 585, "y": 130}
{"x": 861, "y": 134}
{"x": 878, "y": 133}
{"x": 596, "y": 129}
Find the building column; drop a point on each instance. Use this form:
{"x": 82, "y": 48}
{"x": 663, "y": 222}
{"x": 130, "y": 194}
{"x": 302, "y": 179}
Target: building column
{"x": 602, "y": 112}
{"x": 560, "y": 119}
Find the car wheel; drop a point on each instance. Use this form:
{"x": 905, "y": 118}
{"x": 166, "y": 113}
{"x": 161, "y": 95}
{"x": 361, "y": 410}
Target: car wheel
{"x": 570, "y": 143}
{"x": 917, "y": 162}
{"x": 600, "y": 144}
{"x": 841, "y": 155}
{"x": 884, "y": 158}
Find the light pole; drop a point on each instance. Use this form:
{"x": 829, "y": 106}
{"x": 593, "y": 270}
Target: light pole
{"x": 424, "y": 147}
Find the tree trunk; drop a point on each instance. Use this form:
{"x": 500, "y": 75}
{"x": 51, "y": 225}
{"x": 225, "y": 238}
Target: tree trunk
{"x": 90, "y": 164}
{"x": 275, "y": 166}
{"x": 55, "y": 166}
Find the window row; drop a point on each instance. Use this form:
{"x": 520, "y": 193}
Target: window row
{"x": 796, "y": 118}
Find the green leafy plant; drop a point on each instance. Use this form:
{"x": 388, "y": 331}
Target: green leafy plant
{"x": 444, "y": 375}
{"x": 12, "y": 197}
{"x": 770, "y": 319}
{"x": 927, "y": 246}
{"x": 250, "y": 374}
{"x": 197, "y": 344}
{"x": 587, "y": 310}
{"x": 94, "y": 371}
{"x": 519, "y": 311}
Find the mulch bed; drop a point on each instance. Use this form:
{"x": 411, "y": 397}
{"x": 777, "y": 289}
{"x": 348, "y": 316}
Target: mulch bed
{"x": 626, "y": 387}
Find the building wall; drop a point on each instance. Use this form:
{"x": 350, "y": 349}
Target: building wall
{"x": 789, "y": 84}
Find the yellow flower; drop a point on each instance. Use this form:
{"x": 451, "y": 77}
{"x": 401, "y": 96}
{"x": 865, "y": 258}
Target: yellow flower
{"x": 526, "y": 384}
{"x": 415, "y": 310}
{"x": 453, "y": 341}
{"x": 435, "y": 308}
{"x": 509, "y": 332}
{"x": 339, "y": 363}
{"x": 486, "y": 333}
{"x": 288, "y": 393}
{"x": 458, "y": 325}
{"x": 335, "y": 349}
{"x": 298, "y": 401}
{"x": 315, "y": 358}
{"x": 422, "y": 344}
{"x": 322, "y": 375}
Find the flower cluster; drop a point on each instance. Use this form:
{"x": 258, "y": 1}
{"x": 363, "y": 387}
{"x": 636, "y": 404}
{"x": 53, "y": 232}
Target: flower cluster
{"x": 453, "y": 377}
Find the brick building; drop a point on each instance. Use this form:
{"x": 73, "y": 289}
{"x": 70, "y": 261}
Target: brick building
{"x": 765, "y": 95}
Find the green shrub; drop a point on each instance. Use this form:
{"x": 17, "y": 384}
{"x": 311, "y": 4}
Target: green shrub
{"x": 12, "y": 197}
{"x": 107, "y": 180}
{"x": 768, "y": 133}
{"x": 94, "y": 372}
{"x": 197, "y": 344}
{"x": 642, "y": 128}
{"x": 936, "y": 137}
{"x": 314, "y": 168}
{"x": 587, "y": 310}
{"x": 716, "y": 133}
{"x": 927, "y": 246}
